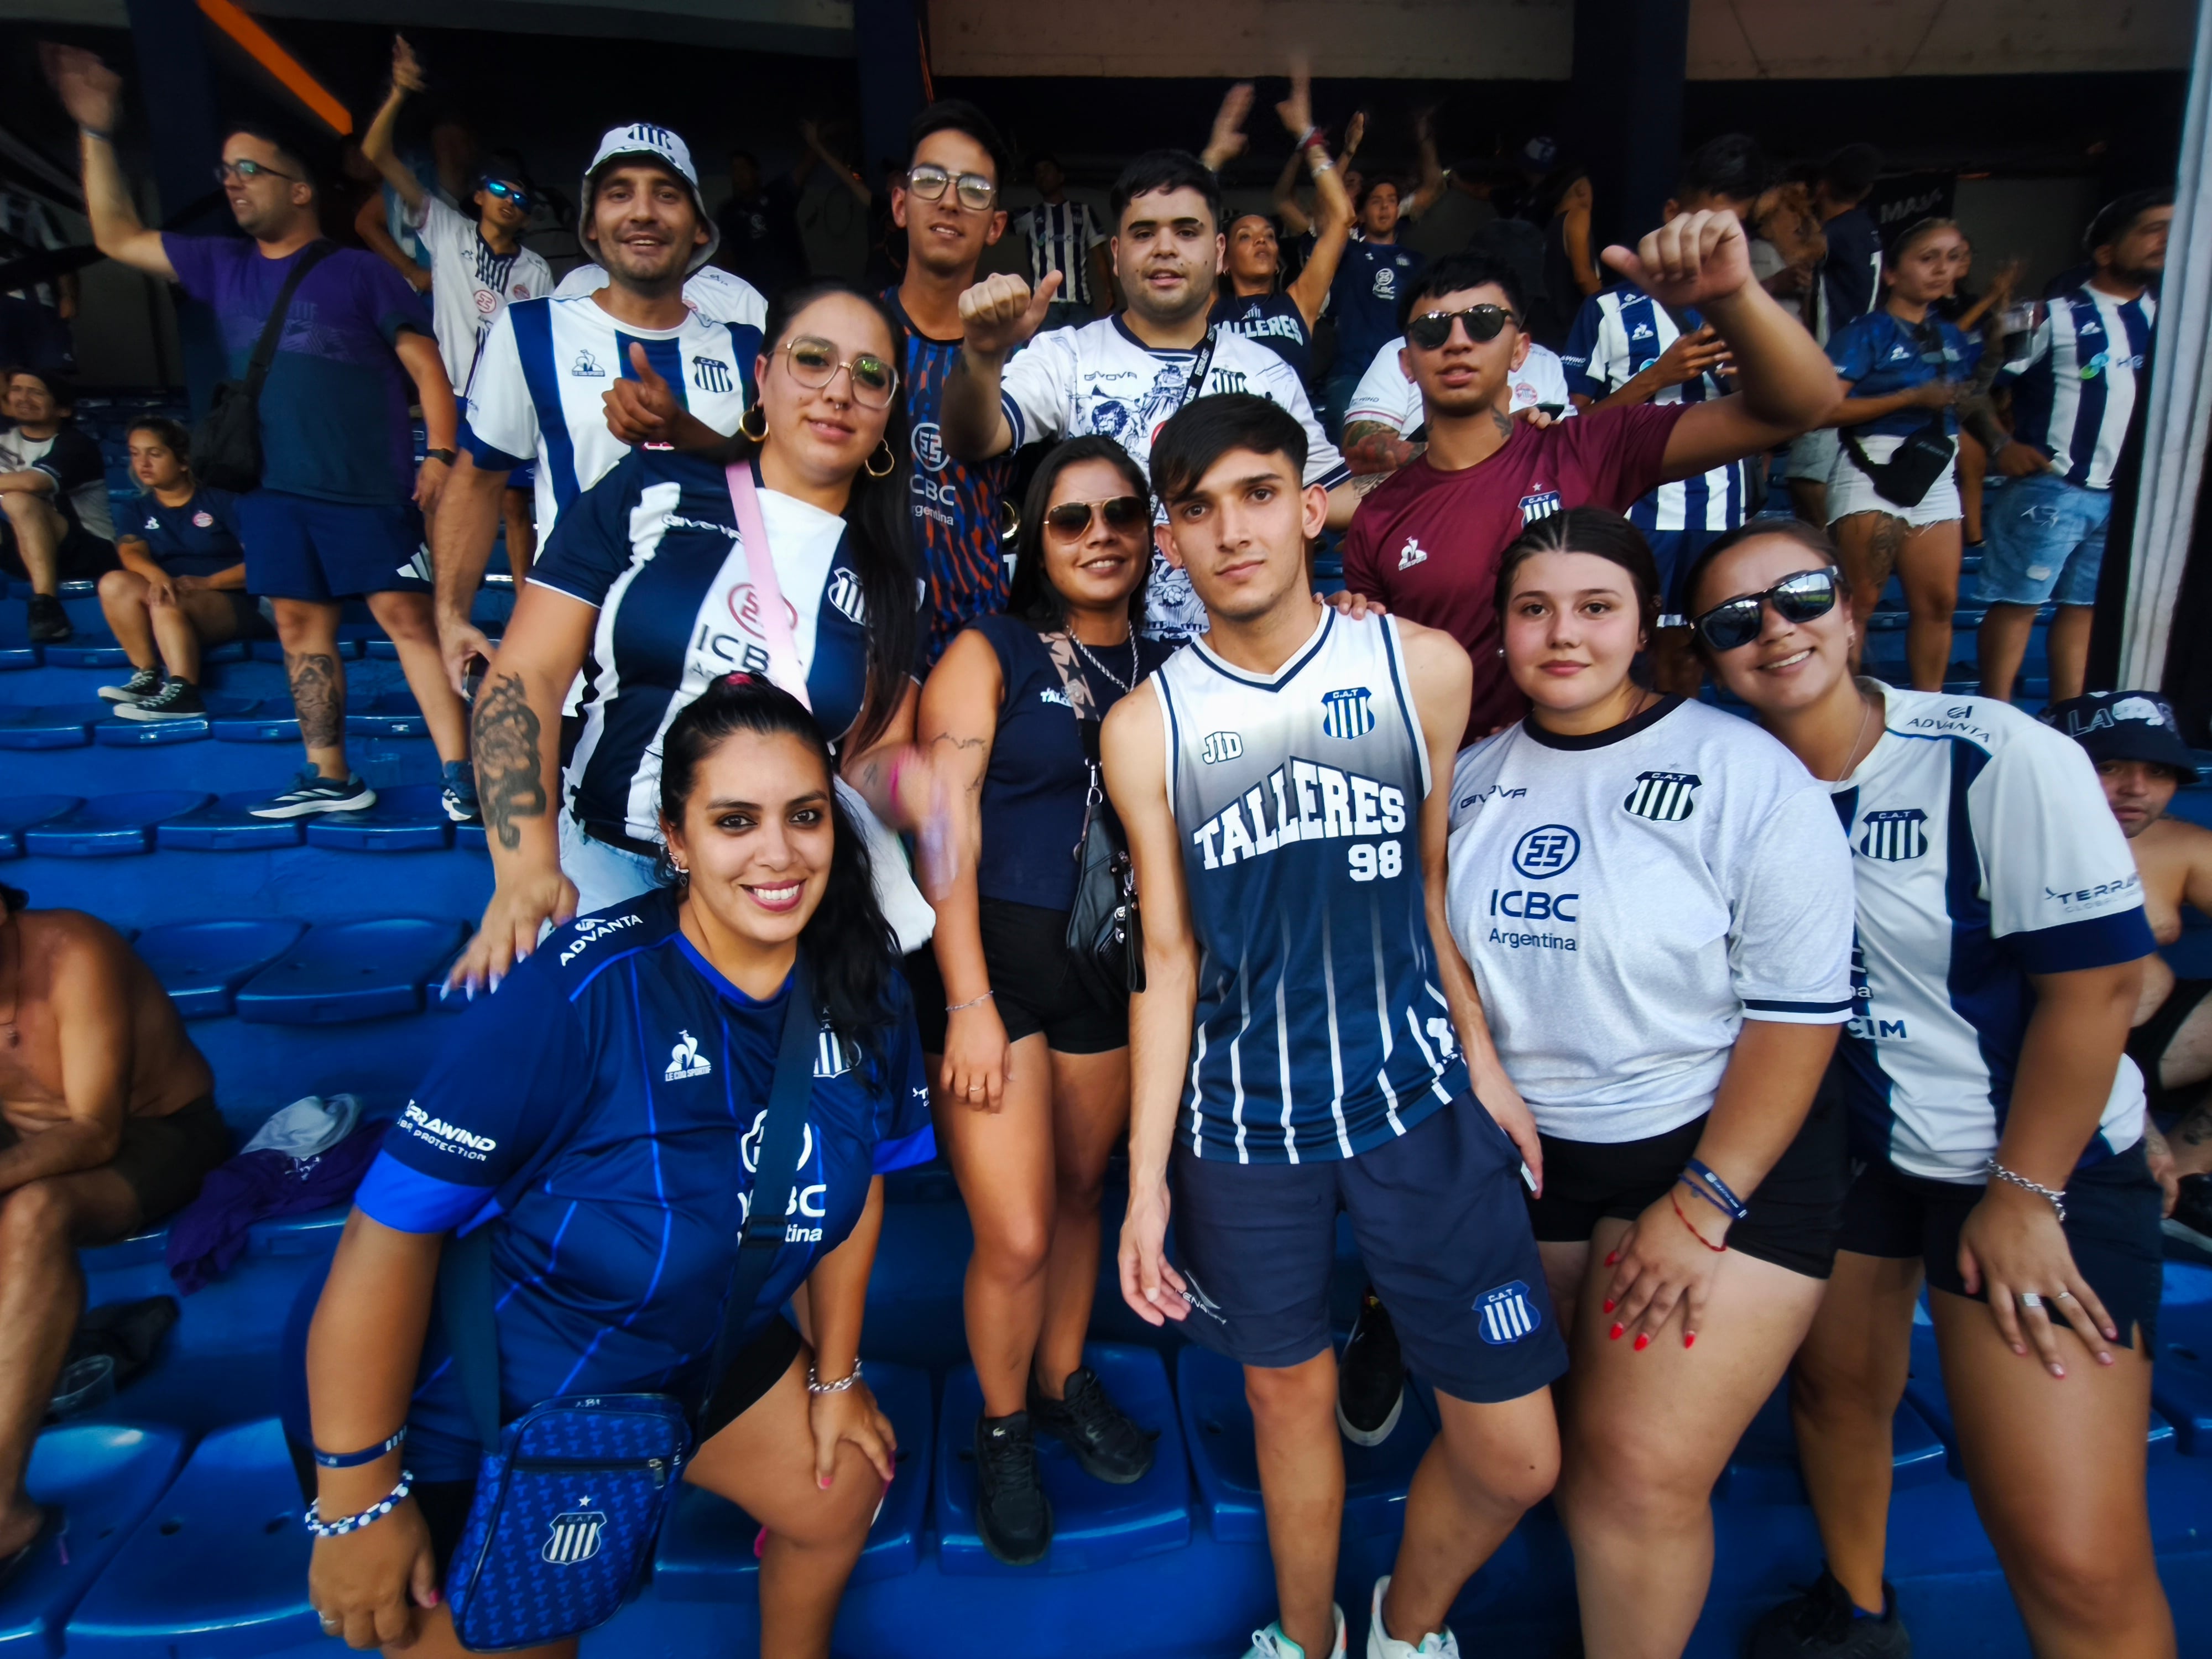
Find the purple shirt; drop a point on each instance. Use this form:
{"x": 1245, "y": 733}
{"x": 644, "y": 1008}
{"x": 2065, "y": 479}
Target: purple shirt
{"x": 334, "y": 422}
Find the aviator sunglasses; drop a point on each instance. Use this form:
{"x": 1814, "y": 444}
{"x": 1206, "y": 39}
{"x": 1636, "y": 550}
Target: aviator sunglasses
{"x": 521, "y": 200}
{"x": 1798, "y": 598}
{"x": 815, "y": 363}
{"x": 1431, "y": 329}
{"x": 1072, "y": 518}
{"x": 928, "y": 181}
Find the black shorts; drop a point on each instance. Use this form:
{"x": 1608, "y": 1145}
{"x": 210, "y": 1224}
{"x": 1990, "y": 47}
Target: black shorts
{"x": 1034, "y": 984}
{"x": 2148, "y": 1041}
{"x": 164, "y": 1159}
{"x": 2111, "y": 1226}
{"x": 81, "y": 556}
{"x": 1440, "y": 1231}
{"x": 1795, "y": 1212}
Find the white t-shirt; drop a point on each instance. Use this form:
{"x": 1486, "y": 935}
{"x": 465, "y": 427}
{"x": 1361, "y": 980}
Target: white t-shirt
{"x": 470, "y": 284}
{"x": 715, "y": 294}
{"x": 1984, "y": 853}
{"x": 1627, "y": 901}
{"x": 1385, "y": 393}
{"x": 1100, "y": 378}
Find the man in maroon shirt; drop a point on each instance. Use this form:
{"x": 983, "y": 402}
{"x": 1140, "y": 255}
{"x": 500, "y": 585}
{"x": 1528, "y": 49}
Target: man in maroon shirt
{"x": 1427, "y": 541}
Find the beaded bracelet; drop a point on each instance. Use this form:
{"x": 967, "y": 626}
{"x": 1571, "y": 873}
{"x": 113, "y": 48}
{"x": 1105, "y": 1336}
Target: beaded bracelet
{"x": 355, "y": 1460}
{"x": 816, "y": 1385}
{"x": 1717, "y": 1250}
{"x": 973, "y": 1002}
{"x": 1736, "y": 1206}
{"x": 318, "y": 1528}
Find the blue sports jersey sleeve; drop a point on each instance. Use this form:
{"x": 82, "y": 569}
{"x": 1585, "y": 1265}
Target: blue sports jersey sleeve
{"x": 510, "y": 1073}
{"x": 1585, "y": 374}
{"x": 904, "y": 1138}
{"x": 589, "y": 548}
{"x": 1851, "y": 348}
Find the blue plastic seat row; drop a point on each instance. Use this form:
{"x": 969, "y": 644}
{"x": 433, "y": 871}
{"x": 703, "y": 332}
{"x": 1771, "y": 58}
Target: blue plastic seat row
{"x": 279, "y": 971}
{"x": 410, "y": 818}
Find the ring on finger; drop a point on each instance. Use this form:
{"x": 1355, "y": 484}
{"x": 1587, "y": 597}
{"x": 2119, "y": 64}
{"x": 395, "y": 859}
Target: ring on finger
{"x": 2062, "y": 1296}
{"x": 2030, "y": 1299}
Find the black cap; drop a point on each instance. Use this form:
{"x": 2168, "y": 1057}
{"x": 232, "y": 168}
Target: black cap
{"x": 2126, "y": 725}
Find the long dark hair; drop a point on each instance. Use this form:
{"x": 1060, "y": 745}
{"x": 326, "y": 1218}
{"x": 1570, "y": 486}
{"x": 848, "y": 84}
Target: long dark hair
{"x": 848, "y": 944}
{"x": 1031, "y": 595}
{"x": 1594, "y": 530}
{"x": 877, "y": 516}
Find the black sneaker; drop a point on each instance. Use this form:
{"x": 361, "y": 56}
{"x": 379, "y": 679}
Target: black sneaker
{"x": 143, "y": 683}
{"x": 2192, "y": 1220}
{"x": 311, "y": 792}
{"x": 458, "y": 796}
{"x": 50, "y": 623}
{"x": 1821, "y": 1622}
{"x": 1109, "y": 1446}
{"x": 180, "y": 700}
{"x": 1013, "y": 1515}
{"x": 1371, "y": 1375}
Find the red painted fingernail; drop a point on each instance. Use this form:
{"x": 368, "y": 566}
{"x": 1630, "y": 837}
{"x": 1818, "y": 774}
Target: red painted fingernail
{"x": 823, "y": 1482}
{"x": 1612, "y": 1259}
{"x": 1689, "y": 1338}
{"x": 1642, "y": 1340}
{"x": 1608, "y": 1305}
{"x": 1615, "y": 1332}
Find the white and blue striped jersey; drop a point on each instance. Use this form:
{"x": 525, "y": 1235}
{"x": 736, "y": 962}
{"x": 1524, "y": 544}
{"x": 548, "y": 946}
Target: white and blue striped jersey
{"x": 1060, "y": 236}
{"x": 2074, "y": 386}
{"x": 1983, "y": 853}
{"x": 1617, "y": 334}
{"x": 1320, "y": 1030}
{"x": 1626, "y": 900}
{"x": 470, "y": 282}
{"x": 545, "y": 365}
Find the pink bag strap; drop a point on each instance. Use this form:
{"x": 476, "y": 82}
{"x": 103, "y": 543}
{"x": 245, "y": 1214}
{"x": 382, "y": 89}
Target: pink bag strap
{"x": 768, "y": 593}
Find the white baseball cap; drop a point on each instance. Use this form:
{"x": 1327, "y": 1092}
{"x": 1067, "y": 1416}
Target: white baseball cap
{"x": 645, "y": 140}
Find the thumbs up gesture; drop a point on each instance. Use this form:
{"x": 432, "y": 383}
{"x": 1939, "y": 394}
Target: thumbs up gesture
{"x": 1000, "y": 312}
{"x": 647, "y": 410}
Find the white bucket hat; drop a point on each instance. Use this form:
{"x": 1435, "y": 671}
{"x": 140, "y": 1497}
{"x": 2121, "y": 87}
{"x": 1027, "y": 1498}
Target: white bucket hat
{"x": 643, "y": 140}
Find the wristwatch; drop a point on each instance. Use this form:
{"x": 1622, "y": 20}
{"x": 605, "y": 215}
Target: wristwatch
{"x": 444, "y": 455}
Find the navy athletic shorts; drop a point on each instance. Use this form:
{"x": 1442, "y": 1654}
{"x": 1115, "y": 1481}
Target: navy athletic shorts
{"x": 298, "y": 548}
{"x": 1442, "y": 1231}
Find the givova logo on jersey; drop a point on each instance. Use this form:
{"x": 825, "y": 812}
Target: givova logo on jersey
{"x": 1349, "y": 713}
{"x": 1895, "y": 836}
{"x": 1305, "y": 800}
{"x": 1663, "y": 797}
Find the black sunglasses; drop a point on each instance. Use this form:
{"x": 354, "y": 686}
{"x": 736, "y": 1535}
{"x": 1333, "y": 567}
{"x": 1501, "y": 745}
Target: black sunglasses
{"x": 1071, "y": 519}
{"x": 1431, "y": 329}
{"x": 1797, "y": 599}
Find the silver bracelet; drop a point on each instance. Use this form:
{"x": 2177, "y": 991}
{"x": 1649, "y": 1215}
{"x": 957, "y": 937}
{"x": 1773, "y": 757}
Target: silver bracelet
{"x": 2057, "y": 1200}
{"x": 318, "y": 1528}
{"x": 977, "y": 1002}
{"x": 816, "y": 1385}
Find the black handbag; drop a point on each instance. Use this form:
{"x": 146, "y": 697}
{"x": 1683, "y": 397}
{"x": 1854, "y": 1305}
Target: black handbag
{"x": 1923, "y": 456}
{"x": 1105, "y": 933}
{"x": 227, "y": 444}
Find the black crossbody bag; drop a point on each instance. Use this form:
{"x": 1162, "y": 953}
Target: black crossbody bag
{"x": 227, "y": 444}
{"x": 1923, "y": 457}
{"x": 1105, "y": 934}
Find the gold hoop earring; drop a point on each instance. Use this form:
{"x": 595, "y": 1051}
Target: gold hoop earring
{"x": 890, "y": 460}
{"x": 744, "y": 424}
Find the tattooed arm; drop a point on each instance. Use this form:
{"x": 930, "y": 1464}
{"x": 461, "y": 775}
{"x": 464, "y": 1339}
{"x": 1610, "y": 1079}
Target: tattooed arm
{"x": 958, "y": 720}
{"x": 1375, "y": 449}
{"x": 516, "y": 730}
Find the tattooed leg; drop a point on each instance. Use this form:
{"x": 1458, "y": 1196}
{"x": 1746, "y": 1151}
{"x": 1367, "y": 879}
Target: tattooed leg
{"x": 510, "y": 770}
{"x": 1867, "y": 544}
{"x": 308, "y": 631}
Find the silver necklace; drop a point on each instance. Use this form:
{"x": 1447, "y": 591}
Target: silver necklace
{"x": 1084, "y": 650}
{"x": 1851, "y": 754}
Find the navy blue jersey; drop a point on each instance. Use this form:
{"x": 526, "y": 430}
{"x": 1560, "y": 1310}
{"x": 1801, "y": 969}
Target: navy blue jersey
{"x": 1037, "y": 780}
{"x": 957, "y": 504}
{"x": 2074, "y": 384}
{"x": 1320, "y": 1030}
{"x": 606, "y": 1105}
{"x": 654, "y": 545}
{"x": 1363, "y": 299}
{"x": 1881, "y": 354}
{"x": 199, "y": 539}
{"x": 1851, "y": 275}
{"x": 1272, "y": 319}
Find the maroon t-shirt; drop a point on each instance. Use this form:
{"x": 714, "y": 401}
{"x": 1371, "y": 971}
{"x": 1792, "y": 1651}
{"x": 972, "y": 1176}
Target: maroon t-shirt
{"x": 1427, "y": 543}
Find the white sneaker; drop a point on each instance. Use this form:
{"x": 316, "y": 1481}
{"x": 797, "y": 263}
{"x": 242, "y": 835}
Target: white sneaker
{"x": 1436, "y": 1645}
{"x": 1272, "y": 1643}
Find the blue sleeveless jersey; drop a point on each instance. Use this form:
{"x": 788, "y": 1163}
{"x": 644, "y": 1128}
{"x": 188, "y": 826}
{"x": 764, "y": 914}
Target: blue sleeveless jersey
{"x": 1320, "y": 1029}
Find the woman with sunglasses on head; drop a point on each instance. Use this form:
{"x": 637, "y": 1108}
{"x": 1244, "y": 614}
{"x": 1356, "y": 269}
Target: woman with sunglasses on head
{"x": 648, "y": 586}
{"x": 1033, "y": 1087}
{"x": 1999, "y": 939}
{"x": 1902, "y": 367}
{"x": 1653, "y": 898}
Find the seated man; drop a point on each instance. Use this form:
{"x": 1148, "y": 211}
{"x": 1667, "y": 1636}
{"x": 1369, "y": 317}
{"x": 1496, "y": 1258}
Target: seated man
{"x": 183, "y": 581}
{"x": 107, "y": 1123}
{"x": 2142, "y": 762}
{"x": 54, "y": 488}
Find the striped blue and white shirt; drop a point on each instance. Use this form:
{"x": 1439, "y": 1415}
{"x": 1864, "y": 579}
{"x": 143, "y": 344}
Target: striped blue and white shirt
{"x": 1617, "y": 334}
{"x": 1062, "y": 235}
{"x": 2074, "y": 386}
{"x": 545, "y": 365}
{"x": 1983, "y": 853}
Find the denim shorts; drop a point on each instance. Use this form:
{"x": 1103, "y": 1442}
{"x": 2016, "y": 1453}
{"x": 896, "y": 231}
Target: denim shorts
{"x": 2045, "y": 542}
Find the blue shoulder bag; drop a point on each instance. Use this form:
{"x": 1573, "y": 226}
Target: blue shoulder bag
{"x": 570, "y": 1495}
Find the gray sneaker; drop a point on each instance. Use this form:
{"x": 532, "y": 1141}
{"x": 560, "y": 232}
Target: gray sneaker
{"x": 143, "y": 683}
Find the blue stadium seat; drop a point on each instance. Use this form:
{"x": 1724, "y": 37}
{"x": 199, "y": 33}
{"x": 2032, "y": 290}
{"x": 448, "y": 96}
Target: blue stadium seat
{"x": 387, "y": 715}
{"x": 1210, "y": 1390}
{"x": 49, "y": 726}
{"x": 2181, "y": 1389}
{"x": 220, "y": 1567}
{"x": 707, "y": 1546}
{"x": 87, "y": 650}
{"x": 1925, "y": 1392}
{"x": 270, "y": 720}
{"x": 380, "y": 650}
{"x": 1762, "y": 1469}
{"x": 273, "y": 650}
{"x": 347, "y": 970}
{"x": 19, "y": 811}
{"x": 111, "y": 826}
{"x": 1094, "y": 1525}
{"x": 224, "y": 826}
{"x": 15, "y": 656}
{"x": 407, "y": 819}
{"x": 201, "y": 965}
{"x": 115, "y": 733}
{"x": 106, "y": 1477}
